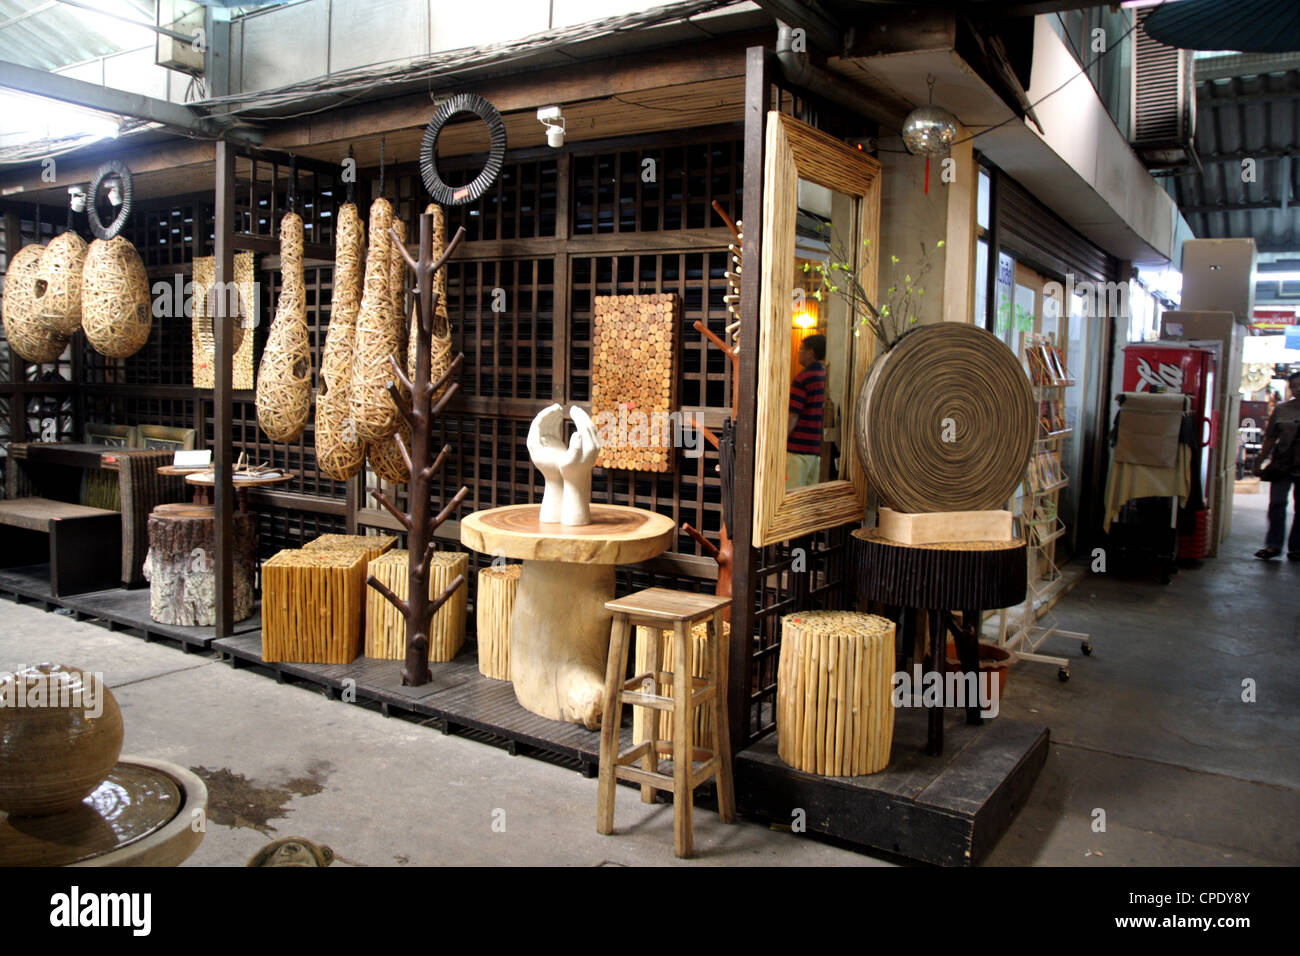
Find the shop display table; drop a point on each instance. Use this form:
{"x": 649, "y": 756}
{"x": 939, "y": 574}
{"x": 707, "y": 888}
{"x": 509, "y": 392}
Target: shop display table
{"x": 971, "y": 576}
{"x": 143, "y": 814}
{"x": 559, "y": 636}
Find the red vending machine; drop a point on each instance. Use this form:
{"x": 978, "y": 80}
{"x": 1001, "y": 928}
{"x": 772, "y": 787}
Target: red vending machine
{"x": 1189, "y": 368}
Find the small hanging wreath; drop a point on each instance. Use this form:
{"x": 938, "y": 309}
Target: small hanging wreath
{"x": 460, "y": 195}
{"x": 112, "y": 168}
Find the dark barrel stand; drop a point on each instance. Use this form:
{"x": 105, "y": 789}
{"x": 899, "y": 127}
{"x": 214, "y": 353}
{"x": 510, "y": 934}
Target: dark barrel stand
{"x": 971, "y": 577}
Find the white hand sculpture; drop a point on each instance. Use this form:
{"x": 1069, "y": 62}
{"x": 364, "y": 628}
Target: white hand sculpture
{"x": 546, "y": 448}
{"x": 576, "y": 467}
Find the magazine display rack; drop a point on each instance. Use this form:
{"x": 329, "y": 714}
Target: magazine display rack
{"x": 1040, "y": 520}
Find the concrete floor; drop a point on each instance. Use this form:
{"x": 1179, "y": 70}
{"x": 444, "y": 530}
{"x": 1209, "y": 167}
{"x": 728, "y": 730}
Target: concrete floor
{"x": 1151, "y": 730}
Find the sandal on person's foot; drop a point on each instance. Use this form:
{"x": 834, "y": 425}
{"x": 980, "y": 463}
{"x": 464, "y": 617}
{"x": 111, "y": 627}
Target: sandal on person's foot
{"x": 1267, "y": 554}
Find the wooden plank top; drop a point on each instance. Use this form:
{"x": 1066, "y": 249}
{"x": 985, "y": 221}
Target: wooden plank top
{"x": 665, "y": 604}
{"x": 36, "y": 513}
{"x": 617, "y": 535}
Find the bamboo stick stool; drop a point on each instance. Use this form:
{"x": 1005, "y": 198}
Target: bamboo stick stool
{"x": 834, "y": 706}
{"x": 494, "y": 604}
{"x": 662, "y": 609}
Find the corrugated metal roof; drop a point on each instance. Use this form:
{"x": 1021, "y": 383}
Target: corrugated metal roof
{"x": 1248, "y": 141}
{"x": 1255, "y": 26}
{"x": 48, "y": 35}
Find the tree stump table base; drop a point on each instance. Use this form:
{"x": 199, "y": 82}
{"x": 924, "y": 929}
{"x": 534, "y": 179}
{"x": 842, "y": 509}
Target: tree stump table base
{"x": 181, "y": 565}
{"x": 559, "y": 630}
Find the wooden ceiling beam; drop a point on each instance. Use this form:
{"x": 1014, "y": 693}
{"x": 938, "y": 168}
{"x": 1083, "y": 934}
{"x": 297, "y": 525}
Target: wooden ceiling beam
{"x": 597, "y": 79}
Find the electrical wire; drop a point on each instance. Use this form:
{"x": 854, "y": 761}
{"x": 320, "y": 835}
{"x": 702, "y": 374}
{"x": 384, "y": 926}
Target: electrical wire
{"x": 1083, "y": 71}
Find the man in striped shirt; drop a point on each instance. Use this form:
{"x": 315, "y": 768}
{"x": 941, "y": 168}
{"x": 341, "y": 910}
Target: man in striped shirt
{"x": 803, "y": 445}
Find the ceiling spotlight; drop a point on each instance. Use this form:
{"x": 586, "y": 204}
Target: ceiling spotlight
{"x": 77, "y": 198}
{"x": 552, "y": 117}
{"x": 115, "y": 192}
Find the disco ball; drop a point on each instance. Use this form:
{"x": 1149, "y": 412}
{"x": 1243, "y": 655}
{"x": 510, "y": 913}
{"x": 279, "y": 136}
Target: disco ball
{"x": 928, "y": 130}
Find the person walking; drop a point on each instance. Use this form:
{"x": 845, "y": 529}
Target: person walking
{"x": 803, "y": 443}
{"x": 1283, "y": 473}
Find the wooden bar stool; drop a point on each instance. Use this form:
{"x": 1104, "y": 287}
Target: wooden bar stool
{"x": 661, "y": 610}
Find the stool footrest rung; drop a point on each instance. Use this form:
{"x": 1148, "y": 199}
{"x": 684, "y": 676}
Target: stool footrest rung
{"x": 703, "y": 773}
{"x": 635, "y": 754}
{"x": 637, "y": 699}
{"x": 660, "y": 781}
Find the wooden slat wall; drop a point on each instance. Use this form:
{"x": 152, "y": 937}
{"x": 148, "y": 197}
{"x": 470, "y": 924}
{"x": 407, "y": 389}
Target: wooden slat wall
{"x": 558, "y": 229}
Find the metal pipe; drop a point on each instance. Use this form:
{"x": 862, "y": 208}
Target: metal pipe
{"x": 797, "y": 68}
{"x": 131, "y": 20}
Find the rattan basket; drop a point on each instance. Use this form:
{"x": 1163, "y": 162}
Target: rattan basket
{"x": 375, "y": 415}
{"x": 26, "y": 336}
{"x": 284, "y": 376}
{"x": 58, "y": 284}
{"x": 340, "y": 452}
{"x": 440, "y": 344}
{"x": 386, "y": 459}
{"x": 115, "y": 310}
{"x": 397, "y": 289}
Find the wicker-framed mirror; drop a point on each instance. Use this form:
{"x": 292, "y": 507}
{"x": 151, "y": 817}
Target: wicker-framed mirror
{"x": 821, "y": 204}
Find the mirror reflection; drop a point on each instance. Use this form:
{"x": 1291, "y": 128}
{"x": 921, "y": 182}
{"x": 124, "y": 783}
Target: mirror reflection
{"x": 821, "y": 336}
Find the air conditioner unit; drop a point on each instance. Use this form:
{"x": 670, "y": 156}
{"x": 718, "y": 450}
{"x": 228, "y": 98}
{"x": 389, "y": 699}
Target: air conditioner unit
{"x": 184, "y": 17}
{"x": 1164, "y": 103}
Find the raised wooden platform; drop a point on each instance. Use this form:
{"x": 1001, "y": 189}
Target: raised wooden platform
{"x": 458, "y": 698}
{"x": 948, "y": 810}
{"x": 119, "y": 608}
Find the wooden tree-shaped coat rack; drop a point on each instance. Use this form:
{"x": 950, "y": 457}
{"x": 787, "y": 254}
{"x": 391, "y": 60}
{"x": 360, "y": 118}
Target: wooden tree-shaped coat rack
{"x": 722, "y": 552}
{"x": 420, "y": 409}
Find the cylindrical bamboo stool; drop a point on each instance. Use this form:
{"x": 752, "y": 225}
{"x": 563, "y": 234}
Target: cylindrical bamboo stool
{"x": 835, "y": 716}
{"x": 494, "y": 604}
{"x": 699, "y": 660}
{"x": 386, "y": 627}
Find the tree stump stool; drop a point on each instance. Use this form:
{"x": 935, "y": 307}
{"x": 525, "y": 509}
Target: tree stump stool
{"x": 494, "y": 603}
{"x": 698, "y": 659}
{"x": 386, "y": 626}
{"x": 181, "y": 565}
{"x": 834, "y": 712}
{"x": 312, "y": 606}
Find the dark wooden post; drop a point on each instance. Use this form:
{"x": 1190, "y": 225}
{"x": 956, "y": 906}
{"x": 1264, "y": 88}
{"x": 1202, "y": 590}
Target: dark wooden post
{"x": 758, "y": 95}
{"x": 223, "y": 492}
{"x": 420, "y": 409}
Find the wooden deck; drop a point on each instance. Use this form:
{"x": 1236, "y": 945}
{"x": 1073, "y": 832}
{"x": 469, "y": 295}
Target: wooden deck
{"x": 948, "y": 810}
{"x": 124, "y": 609}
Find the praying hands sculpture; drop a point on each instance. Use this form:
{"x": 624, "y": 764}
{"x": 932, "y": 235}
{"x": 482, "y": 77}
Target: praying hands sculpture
{"x": 566, "y": 468}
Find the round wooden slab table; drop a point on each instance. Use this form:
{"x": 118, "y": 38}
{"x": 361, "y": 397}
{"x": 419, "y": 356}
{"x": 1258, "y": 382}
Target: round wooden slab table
{"x": 145, "y": 813}
{"x": 205, "y": 479}
{"x": 559, "y": 632}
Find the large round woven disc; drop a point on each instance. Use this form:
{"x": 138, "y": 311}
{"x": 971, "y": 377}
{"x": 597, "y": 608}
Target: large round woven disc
{"x": 945, "y": 421}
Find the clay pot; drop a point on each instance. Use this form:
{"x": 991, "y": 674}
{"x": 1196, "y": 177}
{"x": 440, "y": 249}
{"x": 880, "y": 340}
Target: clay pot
{"x": 60, "y": 735}
{"x": 993, "y": 659}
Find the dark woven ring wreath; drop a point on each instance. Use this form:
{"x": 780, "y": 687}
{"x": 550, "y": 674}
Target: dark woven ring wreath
{"x": 457, "y": 196}
{"x": 946, "y": 421}
{"x": 111, "y": 168}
